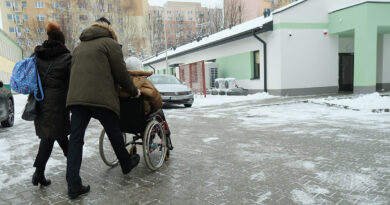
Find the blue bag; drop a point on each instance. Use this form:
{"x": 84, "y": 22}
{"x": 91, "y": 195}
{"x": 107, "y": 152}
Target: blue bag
{"x": 25, "y": 78}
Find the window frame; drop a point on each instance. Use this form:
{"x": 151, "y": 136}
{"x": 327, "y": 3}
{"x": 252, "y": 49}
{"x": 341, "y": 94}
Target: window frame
{"x": 256, "y": 67}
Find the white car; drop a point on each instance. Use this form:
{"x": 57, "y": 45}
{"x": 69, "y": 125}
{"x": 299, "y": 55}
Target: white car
{"x": 172, "y": 90}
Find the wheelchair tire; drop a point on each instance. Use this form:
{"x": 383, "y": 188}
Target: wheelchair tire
{"x": 106, "y": 151}
{"x": 154, "y": 145}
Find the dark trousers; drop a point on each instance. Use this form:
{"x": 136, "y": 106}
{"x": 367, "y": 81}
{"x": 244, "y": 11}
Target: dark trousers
{"x": 81, "y": 116}
{"x": 45, "y": 149}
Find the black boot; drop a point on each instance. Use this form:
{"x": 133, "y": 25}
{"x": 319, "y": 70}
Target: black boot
{"x": 134, "y": 162}
{"x": 39, "y": 178}
{"x": 74, "y": 193}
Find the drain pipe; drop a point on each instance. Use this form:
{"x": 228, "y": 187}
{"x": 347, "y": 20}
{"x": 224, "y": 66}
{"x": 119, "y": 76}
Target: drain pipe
{"x": 154, "y": 69}
{"x": 265, "y": 59}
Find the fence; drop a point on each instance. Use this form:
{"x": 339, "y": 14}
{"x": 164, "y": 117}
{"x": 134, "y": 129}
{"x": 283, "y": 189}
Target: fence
{"x": 193, "y": 75}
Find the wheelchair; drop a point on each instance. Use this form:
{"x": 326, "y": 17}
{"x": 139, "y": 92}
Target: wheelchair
{"x": 149, "y": 131}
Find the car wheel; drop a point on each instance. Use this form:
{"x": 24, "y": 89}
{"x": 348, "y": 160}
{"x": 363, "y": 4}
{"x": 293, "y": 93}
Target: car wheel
{"x": 187, "y": 105}
{"x": 9, "y": 122}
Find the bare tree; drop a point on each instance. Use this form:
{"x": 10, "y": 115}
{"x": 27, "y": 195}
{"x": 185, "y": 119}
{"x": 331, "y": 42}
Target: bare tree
{"x": 157, "y": 35}
{"x": 214, "y": 18}
{"x": 233, "y": 12}
{"x": 35, "y": 35}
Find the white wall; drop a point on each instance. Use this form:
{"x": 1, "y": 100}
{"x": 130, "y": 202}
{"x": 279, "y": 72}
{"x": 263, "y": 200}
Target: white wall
{"x": 274, "y": 70}
{"x": 309, "y": 59}
{"x": 314, "y": 11}
{"x": 228, "y": 49}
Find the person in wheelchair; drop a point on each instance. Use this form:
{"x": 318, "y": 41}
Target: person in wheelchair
{"x": 151, "y": 96}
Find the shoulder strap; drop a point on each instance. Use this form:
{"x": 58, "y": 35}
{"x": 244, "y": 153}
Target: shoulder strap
{"x": 40, "y": 85}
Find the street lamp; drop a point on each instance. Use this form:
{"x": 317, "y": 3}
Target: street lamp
{"x": 165, "y": 35}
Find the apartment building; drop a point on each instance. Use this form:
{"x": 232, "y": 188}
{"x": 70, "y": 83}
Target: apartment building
{"x": 239, "y": 11}
{"x": 24, "y": 21}
{"x": 10, "y": 53}
{"x": 184, "y": 22}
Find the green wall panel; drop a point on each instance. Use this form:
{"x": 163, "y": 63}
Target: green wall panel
{"x": 366, "y": 21}
{"x": 238, "y": 66}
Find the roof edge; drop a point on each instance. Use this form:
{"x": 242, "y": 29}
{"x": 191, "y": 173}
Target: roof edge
{"x": 357, "y": 4}
{"x": 293, "y": 4}
{"x": 266, "y": 27}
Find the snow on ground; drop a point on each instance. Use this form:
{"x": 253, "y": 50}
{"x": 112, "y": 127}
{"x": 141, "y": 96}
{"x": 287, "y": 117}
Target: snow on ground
{"x": 369, "y": 102}
{"x": 211, "y": 100}
{"x": 294, "y": 115}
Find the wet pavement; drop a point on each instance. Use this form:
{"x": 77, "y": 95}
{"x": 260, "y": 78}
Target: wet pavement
{"x": 274, "y": 151}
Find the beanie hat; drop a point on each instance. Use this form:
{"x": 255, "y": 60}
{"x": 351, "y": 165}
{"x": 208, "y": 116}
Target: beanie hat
{"x": 54, "y": 32}
{"x": 133, "y": 64}
{"x": 103, "y": 20}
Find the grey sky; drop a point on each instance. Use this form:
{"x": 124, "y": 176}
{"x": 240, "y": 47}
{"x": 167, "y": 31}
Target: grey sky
{"x": 206, "y": 3}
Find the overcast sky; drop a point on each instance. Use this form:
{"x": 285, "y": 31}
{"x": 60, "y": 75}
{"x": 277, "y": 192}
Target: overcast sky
{"x": 206, "y": 3}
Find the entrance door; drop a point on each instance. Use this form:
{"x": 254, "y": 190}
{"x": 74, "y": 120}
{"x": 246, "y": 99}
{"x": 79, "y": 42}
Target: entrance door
{"x": 346, "y": 72}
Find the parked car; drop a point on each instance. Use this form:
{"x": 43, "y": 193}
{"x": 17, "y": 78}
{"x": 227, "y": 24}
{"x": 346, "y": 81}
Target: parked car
{"x": 172, "y": 90}
{"x": 7, "y": 111}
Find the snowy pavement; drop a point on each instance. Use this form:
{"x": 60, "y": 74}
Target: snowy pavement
{"x": 257, "y": 149}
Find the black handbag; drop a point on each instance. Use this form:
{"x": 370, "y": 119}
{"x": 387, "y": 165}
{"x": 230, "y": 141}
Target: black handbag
{"x": 31, "y": 111}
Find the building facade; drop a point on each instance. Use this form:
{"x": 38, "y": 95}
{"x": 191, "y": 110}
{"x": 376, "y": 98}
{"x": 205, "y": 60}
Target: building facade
{"x": 10, "y": 53}
{"x": 25, "y": 20}
{"x": 307, "y": 47}
{"x": 183, "y": 21}
{"x": 239, "y": 11}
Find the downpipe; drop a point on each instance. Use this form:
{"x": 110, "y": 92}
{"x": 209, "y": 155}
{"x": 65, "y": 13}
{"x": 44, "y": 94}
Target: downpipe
{"x": 265, "y": 59}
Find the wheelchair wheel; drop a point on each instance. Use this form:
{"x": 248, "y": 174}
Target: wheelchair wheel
{"x": 106, "y": 151}
{"x": 154, "y": 145}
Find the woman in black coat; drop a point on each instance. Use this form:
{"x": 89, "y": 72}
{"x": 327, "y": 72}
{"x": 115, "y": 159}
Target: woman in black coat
{"x": 53, "y": 122}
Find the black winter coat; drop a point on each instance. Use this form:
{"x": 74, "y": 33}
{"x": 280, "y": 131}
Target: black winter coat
{"x": 53, "y": 121}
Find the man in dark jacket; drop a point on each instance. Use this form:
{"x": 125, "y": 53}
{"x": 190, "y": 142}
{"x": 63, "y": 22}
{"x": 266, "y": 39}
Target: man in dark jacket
{"x": 97, "y": 70}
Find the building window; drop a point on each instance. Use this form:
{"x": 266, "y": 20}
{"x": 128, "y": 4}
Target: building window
{"x": 256, "y": 67}
{"x": 190, "y": 19}
{"x": 54, "y": 5}
{"x": 109, "y": 6}
{"x": 10, "y": 17}
{"x": 41, "y": 29}
{"x": 24, "y": 4}
{"x": 11, "y": 29}
{"x": 8, "y": 4}
{"x": 27, "y": 29}
{"x": 41, "y": 17}
{"x": 82, "y": 5}
{"x": 83, "y": 17}
{"x": 25, "y": 17}
{"x": 17, "y": 19}
{"x": 39, "y": 4}
{"x": 69, "y": 6}
{"x": 169, "y": 12}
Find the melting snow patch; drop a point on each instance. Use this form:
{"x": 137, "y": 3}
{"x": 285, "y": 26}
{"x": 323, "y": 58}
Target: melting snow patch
{"x": 210, "y": 139}
{"x": 314, "y": 189}
{"x": 371, "y": 102}
{"x": 263, "y": 197}
{"x": 212, "y": 116}
{"x": 200, "y": 101}
{"x": 301, "y": 197}
{"x": 258, "y": 177}
{"x": 348, "y": 181}
{"x": 302, "y": 164}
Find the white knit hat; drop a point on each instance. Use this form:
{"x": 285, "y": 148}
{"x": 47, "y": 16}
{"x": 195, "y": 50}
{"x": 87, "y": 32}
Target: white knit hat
{"x": 133, "y": 64}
